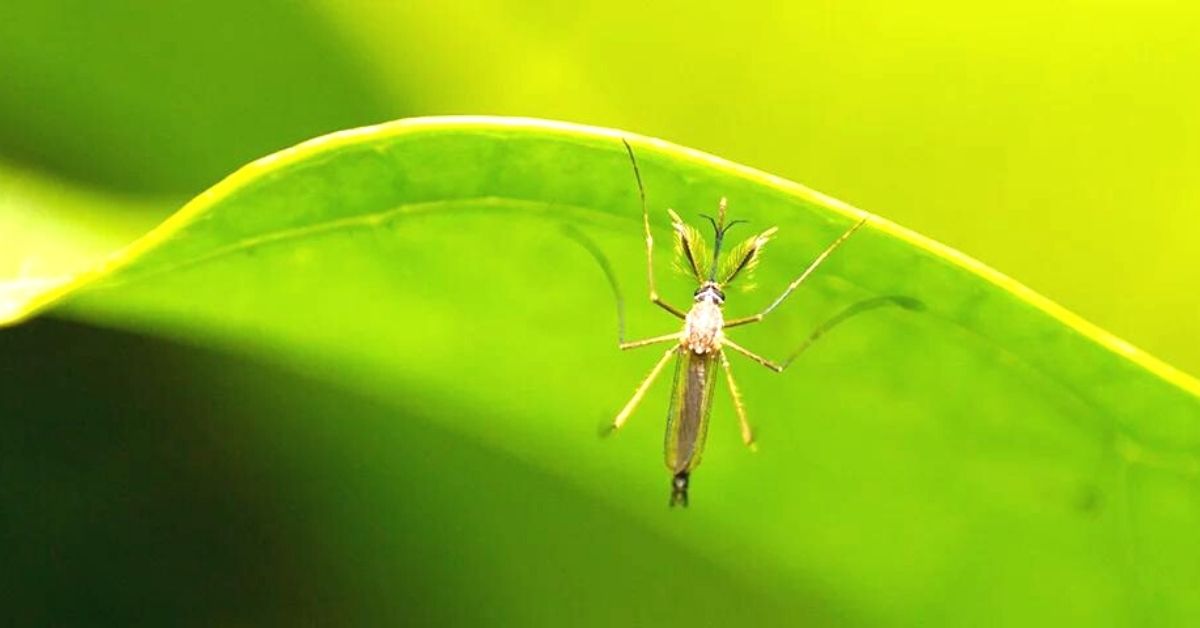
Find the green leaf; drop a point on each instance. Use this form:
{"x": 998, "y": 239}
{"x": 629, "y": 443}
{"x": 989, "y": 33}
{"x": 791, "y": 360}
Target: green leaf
{"x": 990, "y": 455}
{"x": 52, "y": 231}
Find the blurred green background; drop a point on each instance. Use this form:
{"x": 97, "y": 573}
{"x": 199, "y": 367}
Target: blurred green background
{"x": 1058, "y": 144}
{"x": 1019, "y": 133}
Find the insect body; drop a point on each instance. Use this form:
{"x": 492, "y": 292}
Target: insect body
{"x": 699, "y": 348}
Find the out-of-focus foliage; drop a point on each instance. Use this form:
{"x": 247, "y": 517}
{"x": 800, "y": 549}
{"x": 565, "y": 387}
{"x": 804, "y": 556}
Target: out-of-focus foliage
{"x": 1019, "y": 131}
{"x": 168, "y": 97}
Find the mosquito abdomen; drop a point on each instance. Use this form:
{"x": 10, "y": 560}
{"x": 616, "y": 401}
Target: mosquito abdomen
{"x": 679, "y": 489}
{"x": 687, "y": 418}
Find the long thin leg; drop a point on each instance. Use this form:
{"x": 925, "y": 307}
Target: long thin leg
{"x": 650, "y": 341}
{"x": 907, "y": 303}
{"x": 602, "y": 260}
{"x": 799, "y": 280}
{"x": 641, "y": 390}
{"x": 654, "y": 298}
{"x": 778, "y": 368}
{"x": 738, "y": 406}
{"x": 588, "y": 245}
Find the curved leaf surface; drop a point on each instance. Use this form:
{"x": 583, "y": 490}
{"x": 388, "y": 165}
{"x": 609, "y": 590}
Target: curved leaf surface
{"x": 975, "y": 456}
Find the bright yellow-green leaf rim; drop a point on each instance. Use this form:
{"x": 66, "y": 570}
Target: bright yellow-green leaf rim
{"x": 57, "y": 290}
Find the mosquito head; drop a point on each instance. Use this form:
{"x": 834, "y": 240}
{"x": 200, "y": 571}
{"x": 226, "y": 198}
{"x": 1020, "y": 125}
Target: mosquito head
{"x": 709, "y": 291}
{"x": 679, "y": 489}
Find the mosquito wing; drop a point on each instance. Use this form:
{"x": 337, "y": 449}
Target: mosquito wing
{"x": 691, "y": 403}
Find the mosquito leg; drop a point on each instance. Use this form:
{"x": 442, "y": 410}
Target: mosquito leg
{"x": 907, "y": 303}
{"x": 649, "y": 341}
{"x": 752, "y": 355}
{"x": 747, "y": 433}
{"x": 654, "y": 298}
{"x": 602, "y": 260}
{"x": 641, "y": 390}
{"x": 820, "y": 259}
{"x": 588, "y": 245}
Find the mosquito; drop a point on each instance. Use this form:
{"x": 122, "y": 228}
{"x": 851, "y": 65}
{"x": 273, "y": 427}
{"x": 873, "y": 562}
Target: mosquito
{"x": 699, "y": 348}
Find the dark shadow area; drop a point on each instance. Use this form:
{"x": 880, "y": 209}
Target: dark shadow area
{"x": 122, "y": 501}
{"x": 142, "y": 482}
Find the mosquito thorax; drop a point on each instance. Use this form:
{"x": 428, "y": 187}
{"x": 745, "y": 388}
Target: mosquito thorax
{"x": 702, "y": 329}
